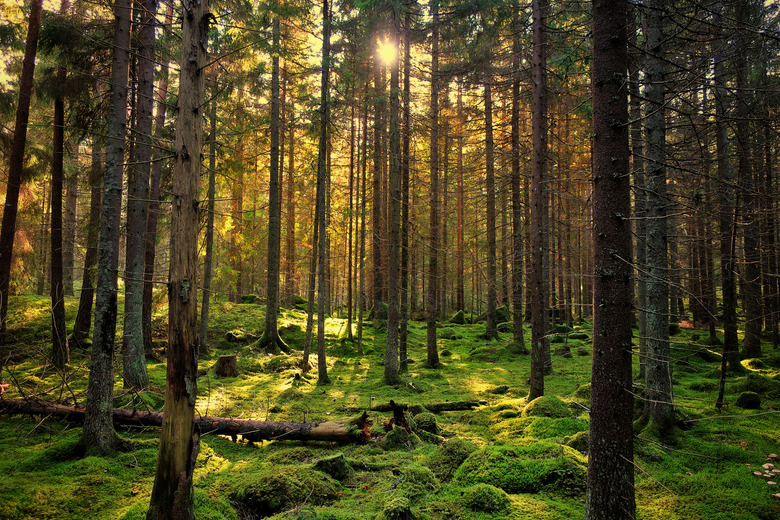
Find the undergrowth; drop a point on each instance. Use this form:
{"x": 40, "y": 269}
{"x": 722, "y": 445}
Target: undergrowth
{"x": 509, "y": 458}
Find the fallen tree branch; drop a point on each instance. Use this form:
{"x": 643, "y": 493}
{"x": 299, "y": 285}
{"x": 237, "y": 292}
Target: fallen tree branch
{"x": 449, "y": 406}
{"x": 344, "y": 431}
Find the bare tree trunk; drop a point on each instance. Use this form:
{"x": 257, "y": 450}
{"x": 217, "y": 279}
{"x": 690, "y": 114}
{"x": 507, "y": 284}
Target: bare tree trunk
{"x": 208, "y": 261}
{"x": 432, "y": 301}
{"x": 491, "y": 332}
{"x": 290, "y": 272}
{"x": 98, "y": 429}
{"x": 405, "y": 223}
{"x": 69, "y": 230}
{"x": 180, "y": 438}
{"x": 461, "y": 254}
{"x": 376, "y": 212}
{"x": 517, "y": 190}
{"x": 610, "y": 494}
{"x": 16, "y": 161}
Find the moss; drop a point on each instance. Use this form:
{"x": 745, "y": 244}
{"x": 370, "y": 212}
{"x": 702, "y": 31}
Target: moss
{"x": 538, "y": 428}
{"x": 502, "y": 314}
{"x": 579, "y": 335}
{"x": 397, "y": 509}
{"x": 240, "y": 336}
{"x": 459, "y": 318}
{"x": 582, "y": 394}
{"x": 757, "y": 383}
{"x": 557, "y": 339}
{"x": 579, "y": 441}
{"x": 448, "y": 334}
{"x": 703, "y": 386}
{"x": 417, "y": 482}
{"x": 426, "y": 422}
{"x": 754, "y": 364}
{"x": 283, "y": 488}
{"x": 749, "y": 401}
{"x": 446, "y": 352}
{"x": 499, "y": 390}
{"x": 517, "y": 349}
{"x": 449, "y": 456}
{"x": 280, "y": 363}
{"x": 546, "y": 406}
{"x": 335, "y": 466}
{"x": 398, "y": 439}
{"x": 533, "y": 468}
{"x": 486, "y": 498}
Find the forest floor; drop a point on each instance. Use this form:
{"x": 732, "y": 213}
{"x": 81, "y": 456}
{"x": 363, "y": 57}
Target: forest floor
{"x": 508, "y": 459}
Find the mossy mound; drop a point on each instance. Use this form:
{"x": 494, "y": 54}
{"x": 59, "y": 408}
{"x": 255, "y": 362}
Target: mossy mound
{"x": 579, "y": 441}
{"x": 579, "y": 335}
{"x": 754, "y": 364}
{"x": 486, "y": 498}
{"x": 538, "y": 428}
{"x": 300, "y": 303}
{"x": 292, "y": 333}
{"x": 502, "y": 314}
{"x": 749, "y": 401}
{"x": 240, "y": 336}
{"x": 283, "y": 488}
{"x": 539, "y": 466}
{"x": 506, "y": 327}
{"x": 757, "y": 383}
{"x": 426, "y": 422}
{"x": 280, "y": 363}
{"x": 378, "y": 313}
{"x": 582, "y": 394}
{"x": 517, "y": 349}
{"x": 417, "y": 482}
{"x": 397, "y": 509}
{"x": 449, "y": 456}
{"x": 398, "y": 439}
{"x": 546, "y": 406}
{"x": 710, "y": 356}
{"x": 703, "y": 386}
{"x": 499, "y": 390}
{"x": 459, "y": 318}
{"x": 335, "y": 466}
{"x": 448, "y": 334}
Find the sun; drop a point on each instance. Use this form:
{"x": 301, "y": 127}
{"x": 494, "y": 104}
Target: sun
{"x": 387, "y": 51}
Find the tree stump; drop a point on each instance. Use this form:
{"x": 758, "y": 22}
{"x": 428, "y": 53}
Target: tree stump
{"x": 226, "y": 366}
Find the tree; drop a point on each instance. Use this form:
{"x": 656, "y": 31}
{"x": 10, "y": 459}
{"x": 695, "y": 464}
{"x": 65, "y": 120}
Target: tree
{"x": 98, "y": 431}
{"x": 517, "y": 208}
{"x": 610, "y": 494}
{"x": 491, "y": 332}
{"x": 180, "y": 440}
{"x": 431, "y": 305}
{"x": 209, "y": 260}
{"x": 16, "y": 161}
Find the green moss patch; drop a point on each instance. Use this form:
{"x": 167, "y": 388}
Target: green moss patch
{"x": 486, "y": 498}
{"x": 546, "y": 406}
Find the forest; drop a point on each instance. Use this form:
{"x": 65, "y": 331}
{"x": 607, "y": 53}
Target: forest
{"x": 389, "y": 259}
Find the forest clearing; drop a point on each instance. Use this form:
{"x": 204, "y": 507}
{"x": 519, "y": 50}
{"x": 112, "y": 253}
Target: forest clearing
{"x": 504, "y": 459}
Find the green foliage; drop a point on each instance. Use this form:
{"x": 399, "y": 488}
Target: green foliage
{"x": 546, "y": 406}
{"x": 486, "y": 498}
{"x": 538, "y": 428}
{"x": 398, "y": 439}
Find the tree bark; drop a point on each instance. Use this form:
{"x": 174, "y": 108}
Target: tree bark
{"x": 208, "y": 261}
{"x": 16, "y": 161}
{"x": 610, "y": 494}
{"x": 432, "y": 301}
{"x": 491, "y": 332}
{"x": 517, "y": 191}
{"x": 179, "y": 440}
{"x": 405, "y": 171}
{"x": 98, "y": 430}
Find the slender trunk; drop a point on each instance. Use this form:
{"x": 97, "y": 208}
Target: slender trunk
{"x": 432, "y": 302}
{"x": 361, "y": 287}
{"x": 98, "y": 429}
{"x": 491, "y": 332}
{"x": 405, "y": 223}
{"x": 610, "y": 494}
{"x": 376, "y": 212}
{"x": 69, "y": 230}
{"x": 16, "y": 161}
{"x": 461, "y": 254}
{"x": 517, "y": 207}
{"x": 208, "y": 261}
{"x": 179, "y": 439}
{"x": 290, "y": 274}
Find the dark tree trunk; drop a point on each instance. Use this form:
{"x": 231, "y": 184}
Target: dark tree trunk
{"x": 376, "y": 211}
{"x": 405, "y": 223}
{"x": 98, "y": 429}
{"x": 517, "y": 207}
{"x": 69, "y": 231}
{"x": 610, "y": 494}
{"x": 491, "y": 332}
{"x": 461, "y": 253}
{"x": 289, "y": 257}
{"x": 16, "y": 161}
{"x": 539, "y": 207}
{"x": 431, "y": 305}
{"x": 208, "y": 261}
{"x": 180, "y": 438}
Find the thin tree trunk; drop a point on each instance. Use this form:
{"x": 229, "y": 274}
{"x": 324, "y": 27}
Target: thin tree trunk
{"x": 208, "y": 261}
{"x": 432, "y": 301}
{"x": 405, "y": 223}
{"x": 16, "y": 161}
{"x": 517, "y": 207}
{"x": 98, "y": 431}
{"x": 491, "y": 332}
{"x": 376, "y": 212}
{"x": 69, "y": 231}
{"x": 610, "y": 494}
{"x": 180, "y": 439}
{"x": 460, "y": 283}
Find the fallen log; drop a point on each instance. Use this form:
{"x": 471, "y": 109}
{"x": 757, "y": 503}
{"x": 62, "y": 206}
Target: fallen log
{"x": 344, "y": 431}
{"x": 449, "y": 406}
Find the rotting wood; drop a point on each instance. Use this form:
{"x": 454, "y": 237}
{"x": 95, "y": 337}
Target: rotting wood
{"x": 449, "y": 406}
{"x": 343, "y": 431}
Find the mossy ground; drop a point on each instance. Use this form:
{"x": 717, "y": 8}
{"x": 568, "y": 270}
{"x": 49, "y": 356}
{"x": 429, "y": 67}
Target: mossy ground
{"x": 704, "y": 472}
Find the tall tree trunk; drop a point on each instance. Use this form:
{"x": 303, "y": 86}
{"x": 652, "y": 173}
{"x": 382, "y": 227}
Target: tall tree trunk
{"x": 461, "y": 254}
{"x": 517, "y": 207}
{"x": 98, "y": 429}
{"x": 376, "y": 212}
{"x": 539, "y": 207}
{"x": 351, "y": 213}
{"x": 69, "y": 230}
{"x": 491, "y": 332}
{"x": 362, "y": 254}
{"x": 134, "y": 372}
{"x": 16, "y": 161}
{"x": 432, "y": 301}
{"x": 610, "y": 494}
{"x": 659, "y": 397}
{"x": 271, "y": 339}
{"x": 394, "y": 252}
{"x": 289, "y": 257}
{"x": 180, "y": 439}
{"x": 153, "y": 211}
{"x": 208, "y": 261}
{"x": 405, "y": 223}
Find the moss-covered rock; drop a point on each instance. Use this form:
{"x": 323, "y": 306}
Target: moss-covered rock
{"x": 448, "y": 457}
{"x": 280, "y": 363}
{"x": 335, "y": 466}
{"x": 543, "y": 465}
{"x": 506, "y": 327}
{"x": 397, "y": 509}
{"x": 749, "y": 401}
{"x": 546, "y": 406}
{"x": 459, "y": 318}
{"x": 754, "y": 364}
{"x": 517, "y": 349}
{"x": 418, "y": 481}
{"x": 446, "y": 334}
{"x": 240, "y": 336}
{"x": 398, "y": 439}
{"x": 300, "y": 303}
{"x": 579, "y": 335}
{"x": 538, "y": 428}
{"x": 426, "y": 422}
{"x": 579, "y": 441}
{"x": 283, "y": 488}
{"x": 502, "y": 314}
{"x": 499, "y": 390}
{"x": 757, "y": 383}
{"x": 486, "y": 498}
{"x": 703, "y": 386}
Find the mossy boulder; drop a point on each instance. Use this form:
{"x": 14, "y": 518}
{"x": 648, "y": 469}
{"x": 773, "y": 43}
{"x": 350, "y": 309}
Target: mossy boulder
{"x": 546, "y": 406}
{"x": 459, "y": 318}
{"x": 579, "y": 441}
{"x": 280, "y": 363}
{"x": 426, "y": 422}
{"x": 517, "y": 349}
{"x": 240, "y": 336}
{"x": 486, "y": 498}
{"x": 703, "y": 386}
{"x": 502, "y": 314}
{"x": 398, "y": 439}
{"x": 447, "y": 334}
{"x": 249, "y": 299}
{"x": 757, "y": 383}
{"x": 538, "y": 428}
{"x": 335, "y": 466}
{"x": 378, "y": 313}
{"x": 283, "y": 488}
{"x": 449, "y": 456}
{"x": 300, "y": 303}
{"x": 582, "y": 394}
{"x": 499, "y": 390}
{"x": 541, "y": 466}
{"x": 397, "y": 509}
{"x": 749, "y": 401}
{"x": 418, "y": 481}
{"x": 754, "y": 364}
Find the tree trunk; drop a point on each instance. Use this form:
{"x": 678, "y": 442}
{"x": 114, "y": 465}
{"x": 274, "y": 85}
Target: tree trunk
{"x": 179, "y": 440}
{"x": 208, "y": 261}
{"x": 461, "y": 253}
{"x": 491, "y": 332}
{"x": 517, "y": 190}
{"x": 16, "y": 161}
{"x": 610, "y": 494}
{"x": 69, "y": 230}
{"x": 539, "y": 206}
{"x": 431, "y": 305}
{"x": 289, "y": 257}
{"x": 376, "y": 211}
{"x": 134, "y": 372}
{"x": 98, "y": 429}
{"x": 405, "y": 222}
